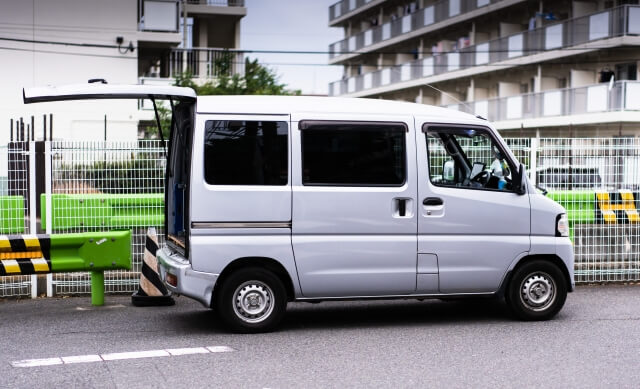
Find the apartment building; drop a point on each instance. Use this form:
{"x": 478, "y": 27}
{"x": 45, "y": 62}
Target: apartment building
{"x": 53, "y": 42}
{"x": 548, "y": 68}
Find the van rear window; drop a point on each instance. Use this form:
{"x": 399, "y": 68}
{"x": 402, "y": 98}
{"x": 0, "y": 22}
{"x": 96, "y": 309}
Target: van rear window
{"x": 346, "y": 154}
{"x": 246, "y": 152}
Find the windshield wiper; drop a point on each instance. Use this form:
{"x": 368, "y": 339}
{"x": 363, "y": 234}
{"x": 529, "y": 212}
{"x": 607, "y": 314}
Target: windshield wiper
{"x": 544, "y": 191}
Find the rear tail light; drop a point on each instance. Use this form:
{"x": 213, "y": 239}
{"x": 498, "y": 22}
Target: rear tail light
{"x": 171, "y": 280}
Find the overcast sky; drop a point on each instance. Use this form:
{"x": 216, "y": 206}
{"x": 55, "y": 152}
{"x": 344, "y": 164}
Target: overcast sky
{"x": 293, "y": 25}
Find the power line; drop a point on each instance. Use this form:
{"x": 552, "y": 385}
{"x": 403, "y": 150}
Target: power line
{"x": 67, "y": 53}
{"x": 413, "y": 65}
{"x": 96, "y": 45}
{"x": 322, "y": 52}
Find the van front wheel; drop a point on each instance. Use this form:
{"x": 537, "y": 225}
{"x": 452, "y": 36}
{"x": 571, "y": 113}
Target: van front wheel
{"x": 537, "y": 291}
{"x": 251, "y": 300}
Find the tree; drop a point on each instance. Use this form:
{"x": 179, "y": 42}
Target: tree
{"x": 256, "y": 80}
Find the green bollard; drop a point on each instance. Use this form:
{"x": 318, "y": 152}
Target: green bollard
{"x": 97, "y": 288}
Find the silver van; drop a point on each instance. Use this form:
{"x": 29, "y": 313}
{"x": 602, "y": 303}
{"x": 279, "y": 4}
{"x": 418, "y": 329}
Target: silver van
{"x": 271, "y": 199}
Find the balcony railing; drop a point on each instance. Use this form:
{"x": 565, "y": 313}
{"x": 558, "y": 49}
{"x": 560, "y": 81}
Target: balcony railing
{"x": 342, "y": 7}
{"x": 623, "y": 20}
{"x": 427, "y": 16}
{"x": 621, "y": 96}
{"x": 220, "y": 3}
{"x": 205, "y": 62}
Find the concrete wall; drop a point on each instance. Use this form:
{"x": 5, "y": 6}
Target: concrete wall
{"x": 30, "y": 64}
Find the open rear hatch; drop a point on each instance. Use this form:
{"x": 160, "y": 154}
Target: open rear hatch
{"x": 182, "y": 102}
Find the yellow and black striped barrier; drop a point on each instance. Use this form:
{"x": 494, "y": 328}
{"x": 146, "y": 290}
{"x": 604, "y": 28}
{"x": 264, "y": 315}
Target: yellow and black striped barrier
{"x": 617, "y": 207}
{"x": 94, "y": 252}
{"x": 25, "y": 254}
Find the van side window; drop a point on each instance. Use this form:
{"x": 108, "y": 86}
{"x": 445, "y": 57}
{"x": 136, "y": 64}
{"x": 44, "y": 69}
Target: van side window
{"x": 467, "y": 158}
{"x": 240, "y": 152}
{"x": 354, "y": 154}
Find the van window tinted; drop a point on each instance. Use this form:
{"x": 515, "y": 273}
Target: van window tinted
{"x": 246, "y": 152}
{"x": 354, "y": 154}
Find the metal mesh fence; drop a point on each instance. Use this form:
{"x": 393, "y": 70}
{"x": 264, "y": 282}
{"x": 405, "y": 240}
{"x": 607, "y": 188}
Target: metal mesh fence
{"x": 598, "y": 181}
{"x": 14, "y": 207}
{"x": 100, "y": 186}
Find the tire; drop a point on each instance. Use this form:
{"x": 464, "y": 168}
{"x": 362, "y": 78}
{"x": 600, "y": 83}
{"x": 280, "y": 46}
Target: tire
{"x": 251, "y": 300}
{"x": 537, "y": 291}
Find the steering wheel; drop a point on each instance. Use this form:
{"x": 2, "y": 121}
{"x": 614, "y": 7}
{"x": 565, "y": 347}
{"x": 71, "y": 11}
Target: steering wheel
{"x": 480, "y": 177}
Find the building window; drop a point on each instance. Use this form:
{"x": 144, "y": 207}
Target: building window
{"x": 246, "y": 152}
{"x": 354, "y": 154}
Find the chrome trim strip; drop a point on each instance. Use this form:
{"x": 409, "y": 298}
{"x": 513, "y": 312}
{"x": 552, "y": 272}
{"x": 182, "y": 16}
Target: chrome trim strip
{"x": 198, "y": 225}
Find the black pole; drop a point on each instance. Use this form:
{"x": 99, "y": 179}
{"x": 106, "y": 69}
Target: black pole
{"x": 11, "y": 132}
{"x": 27, "y": 132}
{"x": 33, "y": 129}
{"x": 21, "y": 130}
{"x": 105, "y": 127}
{"x": 44, "y": 127}
{"x": 50, "y": 126}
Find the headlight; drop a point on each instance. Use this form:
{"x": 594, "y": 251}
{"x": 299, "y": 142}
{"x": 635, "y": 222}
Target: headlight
{"x": 562, "y": 225}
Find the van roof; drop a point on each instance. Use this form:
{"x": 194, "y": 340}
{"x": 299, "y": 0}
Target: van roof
{"x": 311, "y": 104}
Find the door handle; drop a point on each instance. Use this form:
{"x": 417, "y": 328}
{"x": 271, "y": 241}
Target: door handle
{"x": 402, "y": 207}
{"x": 432, "y": 201}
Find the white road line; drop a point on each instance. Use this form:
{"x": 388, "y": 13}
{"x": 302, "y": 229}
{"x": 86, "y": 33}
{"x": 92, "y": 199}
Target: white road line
{"x": 81, "y": 359}
{"x": 187, "y": 351}
{"x": 120, "y": 356}
{"x": 220, "y": 349}
{"x": 37, "y": 362}
{"x": 135, "y": 355}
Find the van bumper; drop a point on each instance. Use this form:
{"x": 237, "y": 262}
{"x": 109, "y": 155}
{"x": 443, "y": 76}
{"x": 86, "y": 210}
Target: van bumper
{"x": 194, "y": 284}
{"x": 564, "y": 250}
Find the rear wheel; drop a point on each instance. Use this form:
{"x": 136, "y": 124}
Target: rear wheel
{"x": 537, "y": 291}
{"x": 251, "y": 300}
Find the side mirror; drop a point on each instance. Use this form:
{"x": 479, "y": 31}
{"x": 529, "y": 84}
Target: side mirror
{"x": 521, "y": 181}
{"x": 449, "y": 170}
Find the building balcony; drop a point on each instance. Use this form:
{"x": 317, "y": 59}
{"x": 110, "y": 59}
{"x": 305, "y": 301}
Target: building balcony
{"x": 343, "y": 9}
{"x": 205, "y": 63}
{"x": 219, "y": 3}
{"x": 581, "y": 35}
{"x": 230, "y": 8}
{"x": 605, "y": 102}
{"x": 432, "y": 17}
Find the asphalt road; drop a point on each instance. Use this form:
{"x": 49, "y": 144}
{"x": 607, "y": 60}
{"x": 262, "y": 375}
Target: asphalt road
{"x": 593, "y": 342}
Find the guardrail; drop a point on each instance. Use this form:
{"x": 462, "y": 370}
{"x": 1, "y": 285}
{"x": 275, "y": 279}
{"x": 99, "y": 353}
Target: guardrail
{"x": 94, "y": 252}
{"x": 11, "y": 214}
{"x": 74, "y": 211}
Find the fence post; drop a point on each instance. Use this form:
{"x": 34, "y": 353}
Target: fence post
{"x": 33, "y": 207}
{"x": 48, "y": 229}
{"x": 533, "y": 159}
